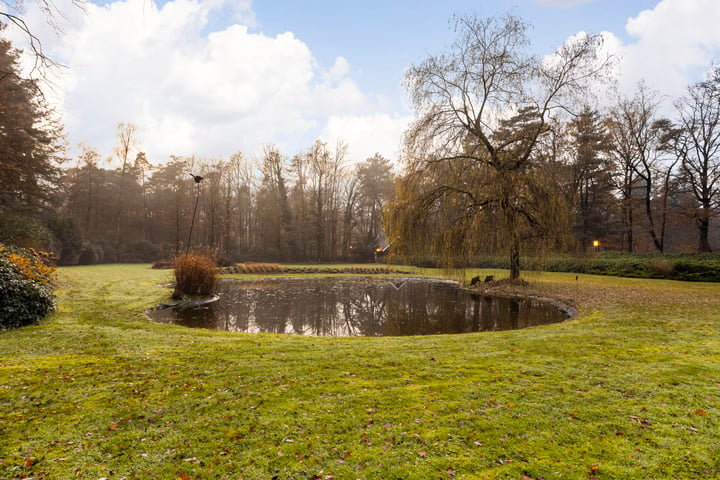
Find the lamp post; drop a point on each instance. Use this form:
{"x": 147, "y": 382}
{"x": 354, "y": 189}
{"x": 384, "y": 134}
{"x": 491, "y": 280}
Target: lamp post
{"x": 596, "y": 244}
{"x": 197, "y": 179}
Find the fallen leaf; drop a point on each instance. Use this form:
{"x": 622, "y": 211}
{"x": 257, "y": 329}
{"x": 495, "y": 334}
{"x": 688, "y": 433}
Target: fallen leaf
{"x": 639, "y": 420}
{"x": 422, "y": 453}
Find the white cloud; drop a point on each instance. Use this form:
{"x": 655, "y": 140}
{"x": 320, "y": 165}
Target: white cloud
{"x": 368, "y": 134}
{"x": 672, "y": 44}
{"x": 193, "y": 92}
{"x": 193, "y": 85}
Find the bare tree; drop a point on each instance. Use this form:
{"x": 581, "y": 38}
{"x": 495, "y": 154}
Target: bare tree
{"x": 325, "y": 173}
{"x": 274, "y": 214}
{"x": 350, "y": 203}
{"x": 14, "y": 16}
{"x": 142, "y": 168}
{"x": 90, "y": 158}
{"x": 300, "y": 203}
{"x": 698, "y": 146}
{"x": 241, "y": 175}
{"x": 127, "y": 143}
{"x": 485, "y": 104}
{"x": 623, "y": 151}
{"x": 639, "y": 137}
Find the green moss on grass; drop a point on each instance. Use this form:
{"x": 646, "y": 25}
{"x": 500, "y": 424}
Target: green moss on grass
{"x": 629, "y": 389}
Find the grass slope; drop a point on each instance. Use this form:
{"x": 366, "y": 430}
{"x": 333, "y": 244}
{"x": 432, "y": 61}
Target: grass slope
{"x": 628, "y": 389}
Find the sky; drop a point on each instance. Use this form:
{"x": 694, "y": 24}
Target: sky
{"x": 213, "y": 77}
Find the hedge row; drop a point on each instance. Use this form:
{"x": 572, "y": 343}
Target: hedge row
{"x": 687, "y": 267}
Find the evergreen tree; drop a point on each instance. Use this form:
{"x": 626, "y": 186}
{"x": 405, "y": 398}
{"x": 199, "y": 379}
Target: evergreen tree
{"x": 30, "y": 139}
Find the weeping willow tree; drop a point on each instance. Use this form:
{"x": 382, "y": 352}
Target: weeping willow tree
{"x": 473, "y": 159}
{"x": 464, "y": 209}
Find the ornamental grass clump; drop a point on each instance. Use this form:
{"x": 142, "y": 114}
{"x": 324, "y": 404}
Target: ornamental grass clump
{"x": 26, "y": 294}
{"x": 195, "y": 274}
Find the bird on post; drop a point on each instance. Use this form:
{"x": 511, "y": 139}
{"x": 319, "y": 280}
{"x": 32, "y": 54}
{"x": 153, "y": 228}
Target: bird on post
{"x": 197, "y": 178}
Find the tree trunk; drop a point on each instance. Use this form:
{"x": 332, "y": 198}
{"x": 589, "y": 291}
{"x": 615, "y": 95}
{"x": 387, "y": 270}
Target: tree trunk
{"x": 629, "y": 220}
{"x": 515, "y": 257}
{"x": 703, "y": 224}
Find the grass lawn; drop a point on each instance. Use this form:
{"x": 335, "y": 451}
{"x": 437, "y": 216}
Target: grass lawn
{"x": 628, "y": 389}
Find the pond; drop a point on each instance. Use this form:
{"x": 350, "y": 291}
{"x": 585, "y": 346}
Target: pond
{"x": 356, "y": 306}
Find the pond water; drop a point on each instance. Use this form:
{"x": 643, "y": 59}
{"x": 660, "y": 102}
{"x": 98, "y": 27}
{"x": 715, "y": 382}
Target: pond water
{"x": 356, "y": 306}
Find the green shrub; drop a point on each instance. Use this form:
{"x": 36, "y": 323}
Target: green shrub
{"x": 661, "y": 268}
{"x": 195, "y": 274}
{"x": 26, "y": 295}
{"x": 24, "y": 231}
{"x": 68, "y": 239}
{"x": 139, "y": 252}
{"x": 88, "y": 254}
{"x": 697, "y": 267}
{"x": 695, "y": 271}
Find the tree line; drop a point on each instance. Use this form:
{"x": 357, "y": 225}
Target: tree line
{"x": 308, "y": 207}
{"x": 505, "y": 156}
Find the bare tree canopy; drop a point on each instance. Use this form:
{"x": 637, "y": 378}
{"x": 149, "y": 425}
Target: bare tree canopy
{"x": 698, "y": 147}
{"x": 488, "y": 76}
{"x": 485, "y": 106}
{"x": 13, "y": 16}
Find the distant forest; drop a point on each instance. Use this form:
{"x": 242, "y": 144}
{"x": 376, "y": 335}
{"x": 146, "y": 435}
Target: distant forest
{"x": 310, "y": 207}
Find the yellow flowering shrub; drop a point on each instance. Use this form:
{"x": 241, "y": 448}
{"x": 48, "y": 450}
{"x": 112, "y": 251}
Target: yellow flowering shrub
{"x": 26, "y": 295}
{"x": 35, "y": 266}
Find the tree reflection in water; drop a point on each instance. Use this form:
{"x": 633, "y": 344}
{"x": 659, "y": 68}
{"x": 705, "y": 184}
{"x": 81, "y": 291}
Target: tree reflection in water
{"x": 358, "y": 307}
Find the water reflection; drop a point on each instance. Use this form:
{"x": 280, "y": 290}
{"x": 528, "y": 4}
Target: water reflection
{"x": 358, "y": 307}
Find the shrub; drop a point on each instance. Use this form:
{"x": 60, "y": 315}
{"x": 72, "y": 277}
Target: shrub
{"x": 139, "y": 252}
{"x": 661, "y": 268}
{"x": 195, "y": 274}
{"x": 699, "y": 267}
{"x": 161, "y": 264}
{"x": 222, "y": 261}
{"x": 254, "y": 267}
{"x": 25, "y": 286}
{"x": 68, "y": 239}
{"x": 696, "y": 271}
{"x": 24, "y": 231}
{"x": 88, "y": 254}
